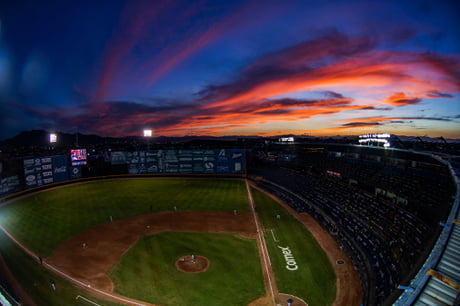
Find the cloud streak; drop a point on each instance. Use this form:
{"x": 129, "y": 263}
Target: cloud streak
{"x": 260, "y": 92}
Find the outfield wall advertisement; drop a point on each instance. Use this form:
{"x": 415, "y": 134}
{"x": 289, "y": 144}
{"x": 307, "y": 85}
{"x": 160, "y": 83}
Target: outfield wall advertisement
{"x": 9, "y": 184}
{"x": 40, "y": 171}
{"x": 206, "y": 161}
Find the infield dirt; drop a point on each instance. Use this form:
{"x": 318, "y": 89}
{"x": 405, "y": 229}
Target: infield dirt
{"x": 106, "y": 244}
{"x": 89, "y": 256}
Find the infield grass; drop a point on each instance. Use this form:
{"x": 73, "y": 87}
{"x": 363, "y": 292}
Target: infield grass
{"x": 314, "y": 281}
{"x": 44, "y": 220}
{"x": 147, "y": 271}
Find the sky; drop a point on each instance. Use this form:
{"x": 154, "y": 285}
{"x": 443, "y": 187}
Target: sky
{"x": 252, "y": 67}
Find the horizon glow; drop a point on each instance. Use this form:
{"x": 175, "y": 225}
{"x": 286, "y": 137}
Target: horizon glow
{"x": 217, "y": 68}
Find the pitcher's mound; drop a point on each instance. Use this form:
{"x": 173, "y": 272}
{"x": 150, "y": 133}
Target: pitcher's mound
{"x": 187, "y": 265}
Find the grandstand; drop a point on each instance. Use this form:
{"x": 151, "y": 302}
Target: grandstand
{"x": 384, "y": 208}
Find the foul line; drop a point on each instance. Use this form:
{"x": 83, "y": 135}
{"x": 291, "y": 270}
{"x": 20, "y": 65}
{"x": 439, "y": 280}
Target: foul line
{"x": 70, "y": 278}
{"x": 262, "y": 241}
{"x": 88, "y": 300}
{"x": 273, "y": 235}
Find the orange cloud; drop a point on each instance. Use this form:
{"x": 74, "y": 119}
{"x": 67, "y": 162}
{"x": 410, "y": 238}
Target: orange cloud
{"x": 400, "y": 99}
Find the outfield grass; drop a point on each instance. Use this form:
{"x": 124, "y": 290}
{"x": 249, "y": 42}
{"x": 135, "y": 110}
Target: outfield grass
{"x": 36, "y": 279}
{"x": 234, "y": 276}
{"x": 45, "y": 220}
{"x": 314, "y": 280}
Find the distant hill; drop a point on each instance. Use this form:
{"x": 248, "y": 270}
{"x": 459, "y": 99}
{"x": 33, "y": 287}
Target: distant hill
{"x": 41, "y": 138}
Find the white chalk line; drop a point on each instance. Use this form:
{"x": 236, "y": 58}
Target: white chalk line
{"x": 295, "y": 297}
{"x": 262, "y": 241}
{"x": 57, "y": 271}
{"x": 273, "y": 235}
{"x": 87, "y": 300}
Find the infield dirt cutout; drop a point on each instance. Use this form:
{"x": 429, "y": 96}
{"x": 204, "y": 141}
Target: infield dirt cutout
{"x": 192, "y": 264}
{"x": 107, "y": 243}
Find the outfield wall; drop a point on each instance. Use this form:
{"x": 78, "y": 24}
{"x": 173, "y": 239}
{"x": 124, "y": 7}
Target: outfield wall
{"x": 34, "y": 172}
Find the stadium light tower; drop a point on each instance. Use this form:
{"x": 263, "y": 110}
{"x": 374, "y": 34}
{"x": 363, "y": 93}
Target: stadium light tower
{"x": 148, "y": 134}
{"x": 52, "y": 139}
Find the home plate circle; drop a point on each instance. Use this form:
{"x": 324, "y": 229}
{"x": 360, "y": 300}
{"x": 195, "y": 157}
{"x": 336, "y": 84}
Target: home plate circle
{"x": 192, "y": 264}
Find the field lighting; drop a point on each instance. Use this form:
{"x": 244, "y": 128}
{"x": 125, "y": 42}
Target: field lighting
{"x": 148, "y": 133}
{"x": 53, "y": 138}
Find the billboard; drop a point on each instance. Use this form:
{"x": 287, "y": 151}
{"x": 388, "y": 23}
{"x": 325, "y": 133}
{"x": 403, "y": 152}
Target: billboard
{"x": 60, "y": 168}
{"x": 192, "y": 161}
{"x": 9, "y": 184}
{"x": 40, "y": 171}
{"x": 75, "y": 172}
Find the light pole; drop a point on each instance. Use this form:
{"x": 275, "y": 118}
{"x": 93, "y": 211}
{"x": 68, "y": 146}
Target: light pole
{"x": 52, "y": 139}
{"x": 148, "y": 134}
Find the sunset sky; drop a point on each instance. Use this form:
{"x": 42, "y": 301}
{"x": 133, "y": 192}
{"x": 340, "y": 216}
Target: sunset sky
{"x": 218, "y": 68}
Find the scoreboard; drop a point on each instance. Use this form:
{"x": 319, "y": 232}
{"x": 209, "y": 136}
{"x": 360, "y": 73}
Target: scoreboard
{"x": 205, "y": 161}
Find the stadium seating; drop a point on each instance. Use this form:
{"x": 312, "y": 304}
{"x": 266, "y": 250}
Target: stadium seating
{"x": 386, "y": 242}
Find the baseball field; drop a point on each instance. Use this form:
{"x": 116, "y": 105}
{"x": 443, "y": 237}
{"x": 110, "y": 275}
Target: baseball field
{"x": 124, "y": 239}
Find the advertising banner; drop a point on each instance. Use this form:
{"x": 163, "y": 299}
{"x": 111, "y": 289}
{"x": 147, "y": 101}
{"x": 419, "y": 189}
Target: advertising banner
{"x": 118, "y": 158}
{"x": 9, "y": 185}
{"x": 75, "y": 172}
{"x": 38, "y": 171}
{"x": 205, "y": 161}
{"x": 60, "y": 168}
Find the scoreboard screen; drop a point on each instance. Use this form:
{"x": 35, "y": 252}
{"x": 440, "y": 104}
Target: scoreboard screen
{"x": 78, "y": 157}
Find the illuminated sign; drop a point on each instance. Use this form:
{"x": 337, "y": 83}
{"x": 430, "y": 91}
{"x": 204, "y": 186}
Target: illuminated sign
{"x": 53, "y": 138}
{"x": 147, "y": 133}
{"x": 77, "y": 154}
{"x": 371, "y": 139}
{"x": 78, "y": 157}
{"x": 378, "y": 135}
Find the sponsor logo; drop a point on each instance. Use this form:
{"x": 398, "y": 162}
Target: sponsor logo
{"x": 28, "y": 162}
{"x": 47, "y": 167}
{"x": 75, "y": 171}
{"x": 47, "y": 173}
{"x": 30, "y": 178}
{"x": 48, "y": 180}
{"x": 209, "y": 165}
{"x": 46, "y": 160}
{"x": 237, "y": 155}
{"x": 61, "y": 169}
{"x": 291, "y": 264}
{"x": 29, "y": 171}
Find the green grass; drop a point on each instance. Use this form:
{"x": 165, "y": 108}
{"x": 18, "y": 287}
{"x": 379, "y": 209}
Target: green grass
{"x": 45, "y": 220}
{"x": 147, "y": 271}
{"x": 314, "y": 280}
{"x": 36, "y": 280}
